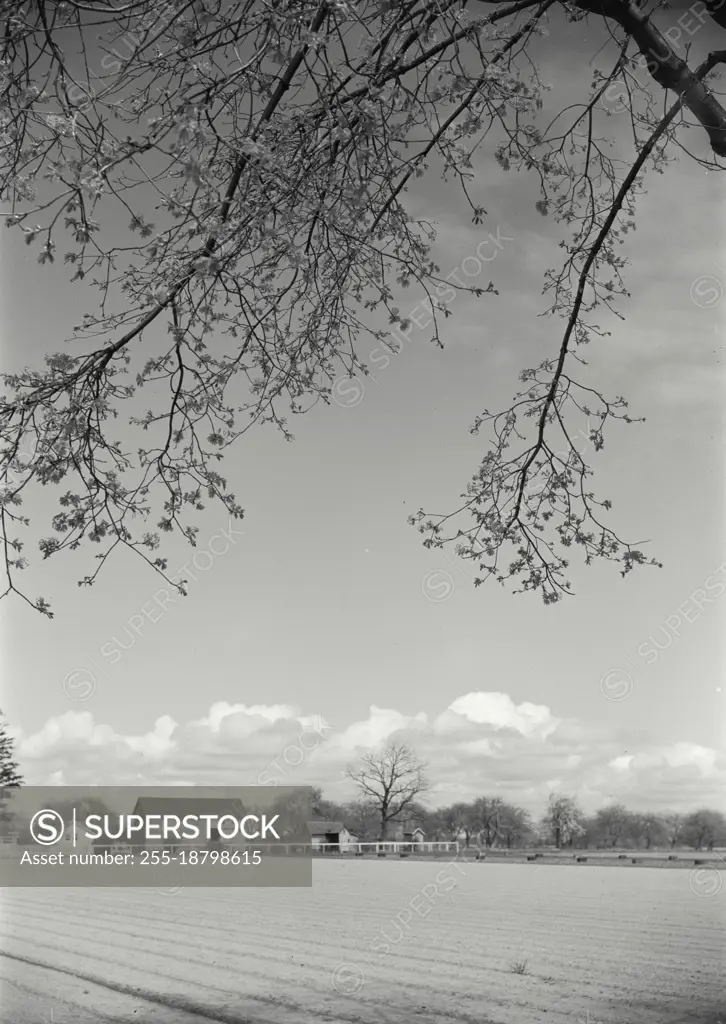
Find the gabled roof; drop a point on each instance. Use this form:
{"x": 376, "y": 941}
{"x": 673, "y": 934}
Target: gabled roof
{"x": 404, "y": 827}
{"x": 218, "y": 806}
{"x": 320, "y": 827}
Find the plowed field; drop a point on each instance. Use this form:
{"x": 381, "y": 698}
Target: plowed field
{"x": 374, "y": 943}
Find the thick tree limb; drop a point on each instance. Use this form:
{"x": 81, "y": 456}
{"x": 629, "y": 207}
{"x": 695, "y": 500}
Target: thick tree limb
{"x": 717, "y": 10}
{"x": 666, "y": 67}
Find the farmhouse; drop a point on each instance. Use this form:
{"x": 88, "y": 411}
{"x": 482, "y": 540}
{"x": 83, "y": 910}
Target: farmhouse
{"x": 333, "y": 835}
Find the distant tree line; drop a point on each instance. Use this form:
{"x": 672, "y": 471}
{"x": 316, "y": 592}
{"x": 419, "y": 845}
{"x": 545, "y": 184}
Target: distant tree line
{"x": 391, "y": 783}
{"x": 490, "y": 822}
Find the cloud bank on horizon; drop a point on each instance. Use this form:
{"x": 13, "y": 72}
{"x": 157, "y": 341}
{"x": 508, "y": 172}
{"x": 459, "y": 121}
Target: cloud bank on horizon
{"x": 481, "y": 744}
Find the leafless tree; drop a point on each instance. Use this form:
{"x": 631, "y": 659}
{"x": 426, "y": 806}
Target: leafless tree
{"x": 486, "y": 813}
{"x": 225, "y": 182}
{"x": 392, "y": 781}
{"x": 514, "y": 825}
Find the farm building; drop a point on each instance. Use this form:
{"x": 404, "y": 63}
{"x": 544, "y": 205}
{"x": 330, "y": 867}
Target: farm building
{"x": 404, "y": 834}
{"x": 182, "y": 806}
{"x": 332, "y": 834}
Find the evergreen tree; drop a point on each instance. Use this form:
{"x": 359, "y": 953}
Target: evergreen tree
{"x": 9, "y": 774}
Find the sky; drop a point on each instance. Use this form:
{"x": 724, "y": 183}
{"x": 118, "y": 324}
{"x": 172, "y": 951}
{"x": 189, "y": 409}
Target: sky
{"x": 319, "y": 627}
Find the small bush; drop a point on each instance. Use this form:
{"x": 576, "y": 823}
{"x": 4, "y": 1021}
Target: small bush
{"x": 518, "y": 967}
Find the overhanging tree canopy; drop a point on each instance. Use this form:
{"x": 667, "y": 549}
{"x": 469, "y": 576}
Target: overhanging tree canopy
{"x": 230, "y": 178}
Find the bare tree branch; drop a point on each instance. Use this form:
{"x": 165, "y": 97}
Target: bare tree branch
{"x": 261, "y": 156}
{"x": 391, "y": 781}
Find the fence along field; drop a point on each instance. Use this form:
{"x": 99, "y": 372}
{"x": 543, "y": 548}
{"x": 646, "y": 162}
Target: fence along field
{"x": 714, "y": 859}
{"x": 499, "y": 944}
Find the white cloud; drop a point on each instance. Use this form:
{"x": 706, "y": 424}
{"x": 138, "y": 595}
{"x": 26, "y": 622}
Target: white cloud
{"x": 500, "y": 711}
{"x": 692, "y": 754}
{"x": 157, "y": 743}
{"x": 483, "y": 743}
{"x": 381, "y": 724}
{"x": 221, "y": 711}
{"x": 679, "y": 755}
